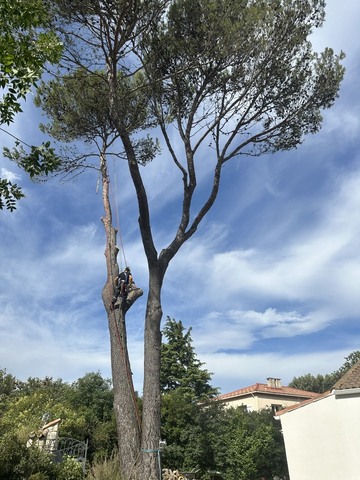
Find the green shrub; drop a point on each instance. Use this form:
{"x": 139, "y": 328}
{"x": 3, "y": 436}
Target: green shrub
{"x": 107, "y": 469}
{"x": 17, "y": 461}
{"x": 39, "y": 476}
{"x": 69, "y": 469}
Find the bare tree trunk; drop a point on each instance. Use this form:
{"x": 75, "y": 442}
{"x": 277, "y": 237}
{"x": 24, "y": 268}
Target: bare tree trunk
{"x": 151, "y": 394}
{"x": 149, "y": 465}
{"x": 125, "y": 404}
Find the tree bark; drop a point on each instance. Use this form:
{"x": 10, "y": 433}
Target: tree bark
{"x": 151, "y": 393}
{"x": 125, "y": 403}
{"x": 149, "y": 468}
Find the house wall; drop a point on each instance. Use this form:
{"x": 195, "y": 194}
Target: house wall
{"x": 261, "y": 401}
{"x": 322, "y": 439}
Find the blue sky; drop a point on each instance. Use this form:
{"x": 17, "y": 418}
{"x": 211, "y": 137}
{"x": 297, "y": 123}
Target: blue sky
{"x": 269, "y": 284}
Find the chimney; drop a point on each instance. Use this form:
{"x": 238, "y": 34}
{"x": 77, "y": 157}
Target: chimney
{"x": 274, "y": 382}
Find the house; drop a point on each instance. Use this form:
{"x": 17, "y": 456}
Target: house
{"x": 322, "y": 435}
{"x": 265, "y": 395}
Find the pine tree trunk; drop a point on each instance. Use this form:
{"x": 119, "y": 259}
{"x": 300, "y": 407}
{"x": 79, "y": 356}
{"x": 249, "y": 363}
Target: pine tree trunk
{"x": 125, "y": 404}
{"x": 151, "y": 394}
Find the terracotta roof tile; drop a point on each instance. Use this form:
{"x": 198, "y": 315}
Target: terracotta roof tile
{"x": 351, "y": 379}
{"x": 265, "y": 388}
{"x": 318, "y": 396}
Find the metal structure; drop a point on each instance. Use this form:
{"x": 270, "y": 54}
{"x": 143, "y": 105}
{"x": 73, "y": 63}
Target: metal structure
{"x": 72, "y": 448}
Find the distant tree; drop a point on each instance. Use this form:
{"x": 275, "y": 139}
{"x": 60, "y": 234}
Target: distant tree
{"x": 251, "y": 446}
{"x": 26, "y": 45}
{"x": 220, "y": 80}
{"x": 94, "y": 392}
{"x": 28, "y": 408}
{"x": 92, "y": 396}
{"x": 56, "y": 388}
{"x": 350, "y": 361}
{"x": 8, "y": 383}
{"x": 189, "y": 417}
{"x": 8, "y": 389}
{"x": 312, "y": 383}
{"x": 85, "y": 407}
{"x": 31, "y": 410}
{"x": 180, "y": 367}
{"x": 191, "y": 430}
{"x": 323, "y": 383}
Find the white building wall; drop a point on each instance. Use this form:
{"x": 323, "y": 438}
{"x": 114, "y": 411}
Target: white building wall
{"x": 322, "y": 439}
{"x": 258, "y": 402}
{"x": 250, "y": 403}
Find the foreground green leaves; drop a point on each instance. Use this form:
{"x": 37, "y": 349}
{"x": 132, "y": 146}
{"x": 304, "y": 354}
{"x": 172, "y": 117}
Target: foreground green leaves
{"x": 9, "y": 194}
{"x": 38, "y": 161}
{"x": 26, "y": 45}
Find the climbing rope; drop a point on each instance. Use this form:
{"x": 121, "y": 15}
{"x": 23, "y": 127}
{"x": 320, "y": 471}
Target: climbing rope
{"x": 114, "y": 197}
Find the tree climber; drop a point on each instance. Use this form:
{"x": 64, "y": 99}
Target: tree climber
{"x": 123, "y": 284}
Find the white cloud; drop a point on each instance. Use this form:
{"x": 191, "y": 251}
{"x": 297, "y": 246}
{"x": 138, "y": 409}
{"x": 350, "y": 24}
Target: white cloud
{"x": 340, "y": 24}
{"x": 54, "y": 342}
{"x": 311, "y": 265}
{"x": 9, "y": 175}
{"x": 277, "y": 258}
{"x": 238, "y": 330}
{"x": 234, "y": 371}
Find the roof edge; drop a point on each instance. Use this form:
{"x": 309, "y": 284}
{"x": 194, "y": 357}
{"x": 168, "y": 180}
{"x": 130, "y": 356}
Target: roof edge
{"x": 304, "y": 403}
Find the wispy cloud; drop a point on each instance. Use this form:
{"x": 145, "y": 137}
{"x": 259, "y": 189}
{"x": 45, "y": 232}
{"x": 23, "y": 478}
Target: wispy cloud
{"x": 9, "y": 175}
{"x": 250, "y": 368}
{"x": 269, "y": 283}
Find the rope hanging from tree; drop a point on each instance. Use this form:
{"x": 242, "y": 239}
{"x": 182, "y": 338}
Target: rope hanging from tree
{"x": 114, "y": 197}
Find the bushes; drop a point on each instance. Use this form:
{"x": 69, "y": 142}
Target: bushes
{"x": 69, "y": 469}
{"x": 17, "y": 461}
{"x": 108, "y": 469}
{"x": 20, "y": 462}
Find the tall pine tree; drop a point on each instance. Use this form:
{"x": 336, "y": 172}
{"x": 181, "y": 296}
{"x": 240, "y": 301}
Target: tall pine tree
{"x": 180, "y": 367}
{"x": 189, "y": 417}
